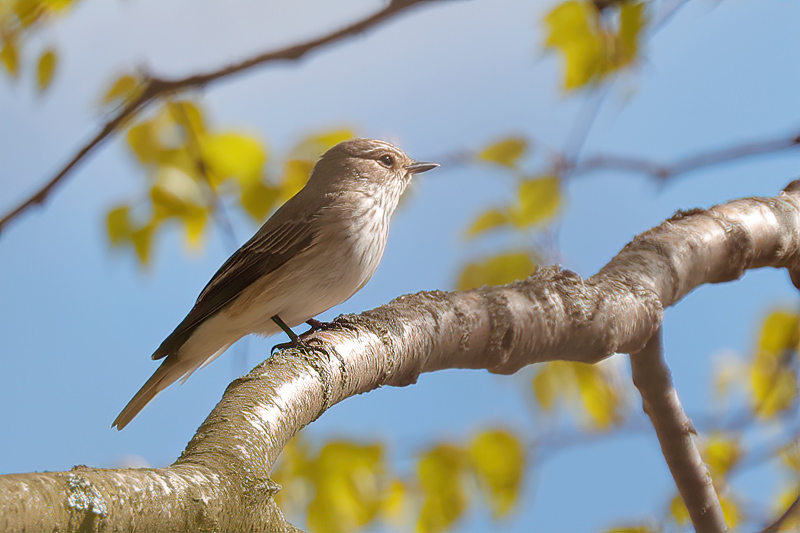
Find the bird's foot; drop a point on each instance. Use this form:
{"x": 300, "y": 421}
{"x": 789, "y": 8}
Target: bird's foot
{"x": 295, "y": 340}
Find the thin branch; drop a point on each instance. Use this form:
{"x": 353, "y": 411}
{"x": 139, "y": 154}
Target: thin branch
{"x": 665, "y": 171}
{"x": 154, "y": 88}
{"x": 674, "y": 430}
{"x": 792, "y": 512}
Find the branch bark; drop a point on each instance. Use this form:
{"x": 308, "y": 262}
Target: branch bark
{"x": 674, "y": 430}
{"x": 155, "y": 88}
{"x": 221, "y": 481}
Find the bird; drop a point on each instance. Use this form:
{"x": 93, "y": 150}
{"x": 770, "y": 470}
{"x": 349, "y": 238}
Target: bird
{"x": 316, "y": 251}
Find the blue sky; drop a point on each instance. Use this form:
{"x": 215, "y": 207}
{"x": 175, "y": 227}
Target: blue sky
{"x": 78, "y": 322}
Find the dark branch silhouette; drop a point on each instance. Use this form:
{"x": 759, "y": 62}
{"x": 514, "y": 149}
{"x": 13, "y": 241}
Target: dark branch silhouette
{"x": 154, "y": 88}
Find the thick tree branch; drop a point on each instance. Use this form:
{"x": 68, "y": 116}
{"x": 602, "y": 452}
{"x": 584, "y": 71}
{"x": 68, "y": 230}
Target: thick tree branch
{"x": 221, "y": 481}
{"x": 155, "y": 88}
{"x": 674, "y": 429}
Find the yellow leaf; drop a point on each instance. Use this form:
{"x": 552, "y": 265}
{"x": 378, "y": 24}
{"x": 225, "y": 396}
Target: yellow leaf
{"x": 28, "y": 11}
{"x": 57, "y": 5}
{"x": 720, "y": 454}
{"x": 395, "y": 507}
{"x": 781, "y": 506}
{"x": 194, "y": 220}
{"x": 234, "y": 155}
{"x": 123, "y": 88}
{"x": 142, "y": 239}
{"x": 498, "y": 459}
{"x": 552, "y": 380}
{"x": 539, "y": 200}
{"x": 600, "y": 397}
{"x": 572, "y": 28}
{"x": 730, "y": 510}
{"x": 440, "y": 473}
{"x": 314, "y": 145}
{"x": 258, "y": 200}
{"x": 505, "y": 152}
{"x": 631, "y": 22}
{"x": 678, "y": 510}
{"x": 497, "y": 270}
{"x": 10, "y": 57}
{"x": 488, "y": 220}
{"x": 295, "y": 176}
{"x": 118, "y": 225}
{"x": 790, "y": 455}
{"x": 45, "y": 69}
{"x": 631, "y": 529}
{"x": 188, "y": 115}
{"x": 773, "y": 379}
{"x": 347, "y": 478}
{"x": 143, "y": 140}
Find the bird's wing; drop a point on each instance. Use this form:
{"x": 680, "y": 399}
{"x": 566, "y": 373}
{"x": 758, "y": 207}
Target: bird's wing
{"x": 267, "y": 251}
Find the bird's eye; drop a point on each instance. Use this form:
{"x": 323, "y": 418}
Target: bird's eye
{"x": 386, "y": 160}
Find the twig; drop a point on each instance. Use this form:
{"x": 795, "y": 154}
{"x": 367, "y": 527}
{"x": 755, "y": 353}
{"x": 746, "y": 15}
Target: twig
{"x": 154, "y": 88}
{"x": 674, "y": 430}
{"x": 794, "y": 509}
{"x": 689, "y": 164}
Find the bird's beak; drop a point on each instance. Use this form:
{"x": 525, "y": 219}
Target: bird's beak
{"x": 416, "y": 168}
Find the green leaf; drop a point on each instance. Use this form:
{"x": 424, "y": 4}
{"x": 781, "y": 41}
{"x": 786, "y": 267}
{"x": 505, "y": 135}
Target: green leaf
{"x": 498, "y": 459}
{"x": 45, "y": 69}
{"x": 539, "y": 200}
{"x": 118, "y": 225}
{"x": 490, "y": 219}
{"x": 497, "y": 270}
{"x": 506, "y": 152}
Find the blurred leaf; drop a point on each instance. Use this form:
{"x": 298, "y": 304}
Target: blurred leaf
{"x": 773, "y": 378}
{"x": 122, "y": 89}
{"x": 142, "y": 239}
{"x": 45, "y": 69}
{"x": 28, "y": 11}
{"x": 587, "y": 389}
{"x": 143, "y": 140}
{"x": 347, "y": 478}
{"x": 440, "y": 473}
{"x": 57, "y": 5}
{"x": 314, "y": 145}
{"x": 188, "y": 115}
{"x": 790, "y": 455}
{"x": 730, "y": 509}
{"x": 497, "y": 270}
{"x": 498, "y": 459}
{"x": 631, "y": 22}
{"x": 539, "y": 200}
{"x": 488, "y": 220}
{"x": 505, "y": 152}
{"x": 395, "y": 507}
{"x": 258, "y": 200}
{"x": 572, "y": 28}
{"x": 720, "y": 454}
{"x": 234, "y": 155}
{"x": 678, "y": 510}
{"x": 118, "y": 225}
{"x": 600, "y": 397}
{"x": 784, "y": 501}
{"x": 10, "y": 57}
{"x": 631, "y": 529}
{"x": 295, "y": 176}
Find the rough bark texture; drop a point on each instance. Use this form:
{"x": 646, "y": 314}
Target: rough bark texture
{"x": 221, "y": 481}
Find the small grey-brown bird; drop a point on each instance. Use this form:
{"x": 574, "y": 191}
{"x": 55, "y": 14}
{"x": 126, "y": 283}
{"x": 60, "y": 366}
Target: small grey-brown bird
{"x": 315, "y": 252}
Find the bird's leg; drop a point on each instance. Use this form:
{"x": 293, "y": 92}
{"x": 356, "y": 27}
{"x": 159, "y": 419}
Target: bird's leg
{"x": 317, "y": 325}
{"x": 294, "y": 340}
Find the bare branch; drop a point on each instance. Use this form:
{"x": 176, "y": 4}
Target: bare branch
{"x": 221, "y": 481}
{"x": 155, "y": 88}
{"x": 674, "y": 429}
{"x": 689, "y": 164}
{"x": 792, "y": 512}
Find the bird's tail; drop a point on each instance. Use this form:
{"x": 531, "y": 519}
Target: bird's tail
{"x": 168, "y": 373}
